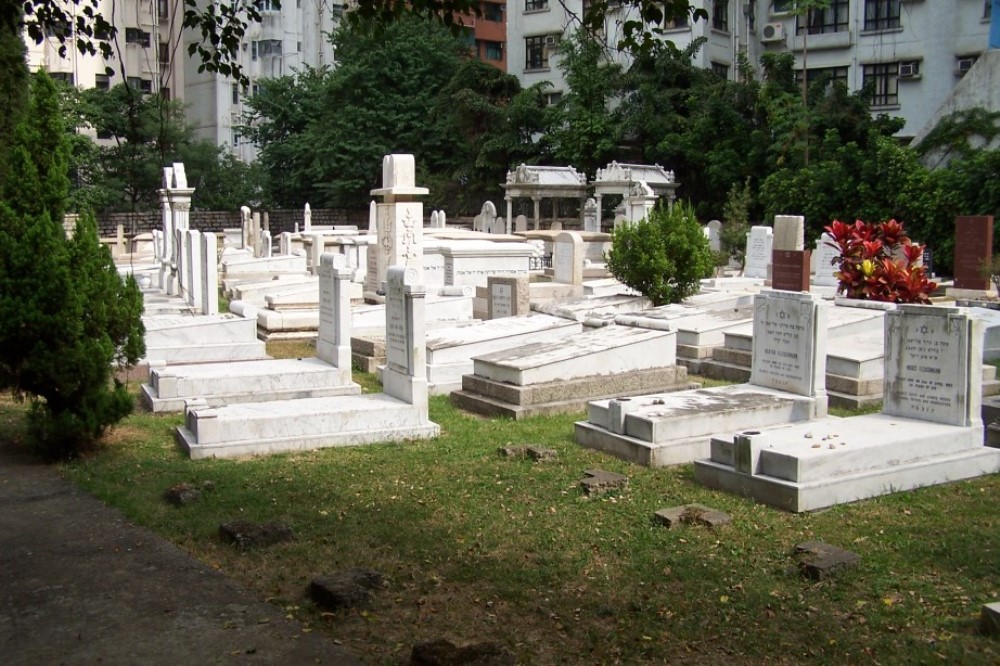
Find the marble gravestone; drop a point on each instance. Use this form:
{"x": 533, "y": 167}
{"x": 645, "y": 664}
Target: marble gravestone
{"x": 758, "y": 256}
{"x": 399, "y": 222}
{"x": 567, "y": 258}
{"x": 508, "y": 296}
{"x": 823, "y": 262}
{"x": 930, "y": 430}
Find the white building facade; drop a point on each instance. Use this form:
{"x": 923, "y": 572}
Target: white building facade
{"x": 286, "y": 40}
{"x": 912, "y": 52}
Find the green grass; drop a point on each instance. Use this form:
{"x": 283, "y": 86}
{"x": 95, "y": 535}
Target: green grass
{"x": 478, "y": 547}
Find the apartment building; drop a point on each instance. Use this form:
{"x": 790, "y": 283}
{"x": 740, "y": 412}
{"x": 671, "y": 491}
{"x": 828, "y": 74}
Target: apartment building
{"x": 286, "y": 40}
{"x": 487, "y": 34}
{"x": 147, "y": 49}
{"x": 912, "y": 52}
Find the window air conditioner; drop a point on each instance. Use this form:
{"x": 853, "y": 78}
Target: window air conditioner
{"x": 773, "y": 32}
{"x": 964, "y": 65}
{"x": 908, "y": 70}
{"x": 550, "y": 40}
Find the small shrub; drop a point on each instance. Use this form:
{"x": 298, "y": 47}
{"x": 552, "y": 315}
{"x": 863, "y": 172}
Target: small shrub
{"x": 878, "y": 262}
{"x": 663, "y": 256}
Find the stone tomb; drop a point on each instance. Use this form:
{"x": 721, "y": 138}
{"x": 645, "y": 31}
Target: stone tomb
{"x": 758, "y": 257}
{"x": 450, "y": 350}
{"x": 219, "y": 384}
{"x": 308, "y": 423}
{"x": 201, "y": 339}
{"x": 552, "y": 377}
{"x": 673, "y": 428}
{"x": 507, "y": 297}
{"x": 929, "y": 431}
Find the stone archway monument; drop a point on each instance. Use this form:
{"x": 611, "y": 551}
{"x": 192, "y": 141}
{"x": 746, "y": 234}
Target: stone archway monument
{"x": 543, "y": 182}
{"x": 621, "y": 178}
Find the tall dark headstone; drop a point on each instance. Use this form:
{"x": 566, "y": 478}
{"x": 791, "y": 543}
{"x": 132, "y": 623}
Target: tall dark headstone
{"x": 973, "y": 248}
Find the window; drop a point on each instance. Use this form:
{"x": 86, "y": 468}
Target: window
{"x": 137, "y": 36}
{"x": 336, "y": 11}
{"x": 493, "y": 50}
{"x": 165, "y": 93}
{"x": 829, "y": 19}
{"x": 535, "y": 5}
{"x": 235, "y": 92}
{"x": 883, "y": 82}
{"x": 267, "y": 6}
{"x": 65, "y": 77}
{"x": 830, "y": 74}
{"x": 253, "y": 52}
{"x": 102, "y": 82}
{"x": 964, "y": 63}
{"x": 142, "y": 85}
{"x": 782, "y": 6}
{"x": 267, "y": 47}
{"x": 721, "y": 70}
{"x": 536, "y": 56}
{"x": 63, "y": 29}
{"x": 255, "y": 89}
{"x": 988, "y": 9}
{"x": 881, "y": 14}
{"x": 234, "y": 135}
{"x": 553, "y": 98}
{"x": 493, "y": 11}
{"x": 164, "y": 56}
{"x": 676, "y": 24}
{"x": 720, "y": 15}
{"x": 163, "y": 8}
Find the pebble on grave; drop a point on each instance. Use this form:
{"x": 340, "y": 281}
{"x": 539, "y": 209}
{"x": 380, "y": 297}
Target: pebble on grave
{"x": 246, "y": 535}
{"x": 350, "y": 588}
{"x": 819, "y": 561}
{"x": 445, "y": 653}
{"x": 691, "y": 514}
{"x": 602, "y": 481}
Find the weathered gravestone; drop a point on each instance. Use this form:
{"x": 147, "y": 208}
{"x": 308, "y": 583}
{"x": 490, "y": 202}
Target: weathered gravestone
{"x": 508, "y": 297}
{"x": 973, "y": 248}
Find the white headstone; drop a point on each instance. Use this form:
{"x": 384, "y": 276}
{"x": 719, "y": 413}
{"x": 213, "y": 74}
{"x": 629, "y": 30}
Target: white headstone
{"x": 933, "y": 365}
{"x": 823, "y": 258}
{"x": 789, "y": 233}
{"x": 488, "y": 217}
{"x": 400, "y": 220}
{"x": 590, "y": 220}
{"x": 334, "y": 342}
{"x": 405, "y": 374}
{"x": 758, "y": 257}
{"x": 209, "y": 274}
{"x": 265, "y": 243}
{"x": 713, "y": 232}
{"x": 372, "y": 218}
{"x": 307, "y": 218}
{"x": 520, "y": 224}
{"x": 789, "y": 343}
{"x": 567, "y": 258}
{"x": 193, "y": 268}
{"x": 442, "y": 219}
{"x": 245, "y": 223}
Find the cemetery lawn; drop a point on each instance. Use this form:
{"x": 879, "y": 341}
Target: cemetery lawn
{"x": 475, "y": 547}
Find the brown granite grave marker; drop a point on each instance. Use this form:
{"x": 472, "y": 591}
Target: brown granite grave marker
{"x": 790, "y": 270}
{"x": 973, "y": 247}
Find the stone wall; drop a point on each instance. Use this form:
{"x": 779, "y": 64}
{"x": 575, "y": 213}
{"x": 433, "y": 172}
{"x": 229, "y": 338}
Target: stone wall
{"x": 210, "y": 220}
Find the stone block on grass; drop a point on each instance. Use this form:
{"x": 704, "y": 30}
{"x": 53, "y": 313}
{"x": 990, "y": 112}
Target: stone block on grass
{"x": 536, "y": 453}
{"x": 601, "y": 481}
{"x": 691, "y": 514}
{"x": 989, "y": 621}
{"x": 181, "y": 494}
{"x": 819, "y": 561}
{"x": 442, "y": 652}
{"x": 246, "y": 535}
{"x": 351, "y": 588}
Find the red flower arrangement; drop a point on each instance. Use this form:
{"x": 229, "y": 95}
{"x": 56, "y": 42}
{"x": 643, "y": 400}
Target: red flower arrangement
{"x": 878, "y": 262}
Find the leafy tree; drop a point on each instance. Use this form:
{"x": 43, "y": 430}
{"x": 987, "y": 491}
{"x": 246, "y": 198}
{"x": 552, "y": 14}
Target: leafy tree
{"x": 497, "y": 121}
{"x": 584, "y": 130}
{"x": 65, "y": 314}
{"x": 663, "y": 256}
{"x": 733, "y": 235}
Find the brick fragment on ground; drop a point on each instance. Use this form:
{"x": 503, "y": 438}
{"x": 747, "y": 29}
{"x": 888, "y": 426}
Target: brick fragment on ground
{"x": 602, "y": 481}
{"x": 818, "y": 560}
{"x": 445, "y": 653}
{"x": 246, "y": 535}
{"x": 691, "y": 514}
{"x": 350, "y": 588}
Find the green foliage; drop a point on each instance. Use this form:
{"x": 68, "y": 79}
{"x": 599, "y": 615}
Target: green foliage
{"x": 663, "y": 256}
{"x": 65, "y": 314}
{"x": 959, "y": 134}
{"x": 736, "y": 225}
{"x": 585, "y": 132}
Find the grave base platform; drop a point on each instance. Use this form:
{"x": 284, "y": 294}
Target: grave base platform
{"x": 219, "y": 384}
{"x": 675, "y": 428}
{"x": 262, "y": 428}
{"x": 497, "y": 398}
{"x": 810, "y": 466}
